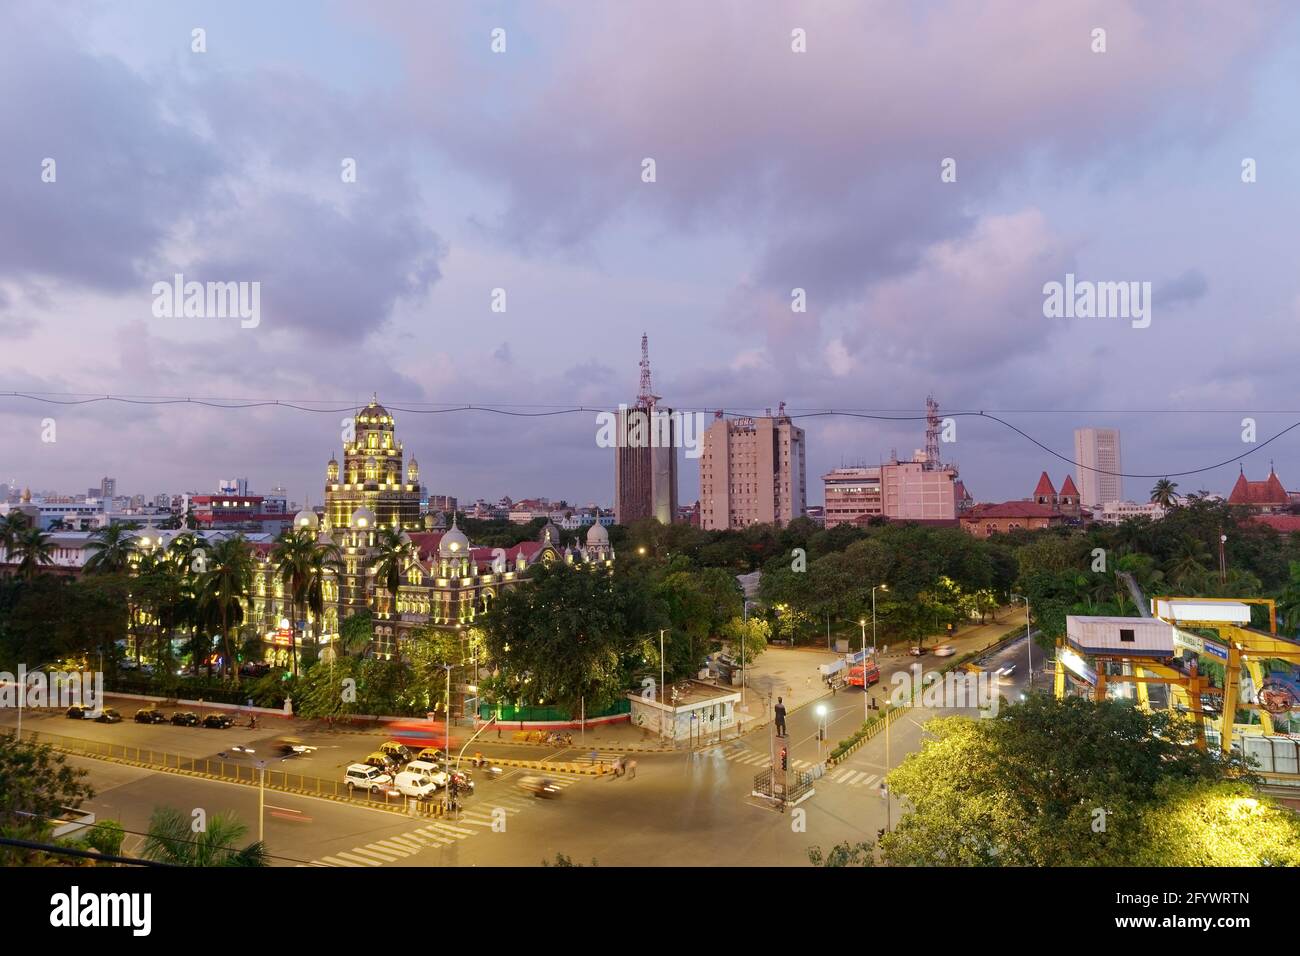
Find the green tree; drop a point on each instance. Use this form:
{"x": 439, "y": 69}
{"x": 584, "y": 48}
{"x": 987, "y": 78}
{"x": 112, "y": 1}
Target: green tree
{"x": 1164, "y": 493}
{"x": 225, "y": 587}
{"x": 356, "y": 633}
{"x": 36, "y": 785}
{"x": 572, "y": 635}
{"x": 844, "y": 854}
{"x": 112, "y": 549}
{"x": 748, "y": 638}
{"x": 172, "y": 839}
{"x": 33, "y": 550}
{"x": 1046, "y": 783}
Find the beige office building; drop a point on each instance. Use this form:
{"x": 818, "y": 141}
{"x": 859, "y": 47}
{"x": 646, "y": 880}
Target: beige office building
{"x": 752, "y": 472}
{"x": 1098, "y": 448}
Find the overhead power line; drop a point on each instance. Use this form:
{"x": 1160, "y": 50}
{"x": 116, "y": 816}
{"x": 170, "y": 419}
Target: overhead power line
{"x": 540, "y": 410}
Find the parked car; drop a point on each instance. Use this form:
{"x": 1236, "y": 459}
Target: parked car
{"x": 130, "y": 664}
{"x": 185, "y": 718}
{"x": 431, "y": 770}
{"x": 218, "y": 721}
{"x": 358, "y": 776}
{"x": 399, "y": 752}
{"x": 382, "y": 761}
{"x": 916, "y": 651}
{"x": 109, "y": 716}
{"x": 540, "y": 787}
{"x": 147, "y": 715}
{"x": 432, "y": 755}
{"x": 415, "y": 785}
{"x": 77, "y": 712}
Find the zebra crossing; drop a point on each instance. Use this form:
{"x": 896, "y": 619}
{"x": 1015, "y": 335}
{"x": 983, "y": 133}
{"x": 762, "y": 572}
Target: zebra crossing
{"x": 750, "y": 758}
{"x": 853, "y": 778}
{"x": 759, "y": 759}
{"x": 436, "y": 834}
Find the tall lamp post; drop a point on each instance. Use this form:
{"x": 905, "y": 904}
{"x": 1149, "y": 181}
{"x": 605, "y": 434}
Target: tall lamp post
{"x": 878, "y": 587}
{"x": 866, "y": 711}
{"x": 661, "y": 667}
{"x": 1029, "y": 640}
{"x": 446, "y": 748}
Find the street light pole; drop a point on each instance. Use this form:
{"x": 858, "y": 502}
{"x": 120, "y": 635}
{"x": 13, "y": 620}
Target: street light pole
{"x": 661, "y": 666}
{"x": 866, "y": 712}
{"x": 878, "y": 587}
{"x": 447, "y": 727}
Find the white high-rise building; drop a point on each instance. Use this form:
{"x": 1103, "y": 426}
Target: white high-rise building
{"x": 1098, "y": 448}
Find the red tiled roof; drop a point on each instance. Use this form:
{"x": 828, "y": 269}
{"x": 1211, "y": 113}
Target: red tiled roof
{"x": 1044, "y": 487}
{"x": 1067, "y": 487}
{"x": 1267, "y": 492}
{"x": 1281, "y": 523}
{"x": 1011, "y": 509}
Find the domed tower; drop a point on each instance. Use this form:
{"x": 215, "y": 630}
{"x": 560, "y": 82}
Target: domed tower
{"x": 453, "y": 551}
{"x": 597, "y": 542}
{"x": 332, "y": 470}
{"x": 413, "y": 471}
{"x": 372, "y": 475}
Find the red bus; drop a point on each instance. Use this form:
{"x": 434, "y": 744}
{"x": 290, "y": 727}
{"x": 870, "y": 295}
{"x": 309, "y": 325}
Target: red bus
{"x": 418, "y": 734}
{"x": 855, "y": 674}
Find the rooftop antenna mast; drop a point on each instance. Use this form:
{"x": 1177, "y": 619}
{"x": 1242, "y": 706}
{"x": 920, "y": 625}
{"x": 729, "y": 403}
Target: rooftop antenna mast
{"x": 646, "y": 397}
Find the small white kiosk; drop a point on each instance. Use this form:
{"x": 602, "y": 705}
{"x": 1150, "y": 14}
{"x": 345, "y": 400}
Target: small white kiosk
{"x": 691, "y": 711}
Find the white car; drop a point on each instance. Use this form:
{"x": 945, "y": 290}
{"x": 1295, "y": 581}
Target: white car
{"x": 424, "y": 768}
{"x": 360, "y": 776}
{"x": 945, "y": 650}
{"x": 415, "y": 784}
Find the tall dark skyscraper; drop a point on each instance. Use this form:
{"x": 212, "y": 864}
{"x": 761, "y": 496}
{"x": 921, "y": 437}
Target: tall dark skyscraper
{"x": 645, "y": 456}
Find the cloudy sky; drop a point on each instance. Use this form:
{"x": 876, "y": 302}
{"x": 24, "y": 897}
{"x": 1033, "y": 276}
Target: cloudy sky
{"x": 522, "y": 170}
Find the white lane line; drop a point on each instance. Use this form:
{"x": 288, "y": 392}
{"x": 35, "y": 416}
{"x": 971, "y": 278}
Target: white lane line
{"x": 432, "y": 836}
{"x": 360, "y": 860}
{"x": 869, "y": 781}
{"x": 840, "y": 774}
{"x": 335, "y": 861}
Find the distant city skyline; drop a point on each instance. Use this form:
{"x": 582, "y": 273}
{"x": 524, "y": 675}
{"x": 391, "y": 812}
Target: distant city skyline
{"x": 440, "y": 223}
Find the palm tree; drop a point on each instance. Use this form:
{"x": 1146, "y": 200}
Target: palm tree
{"x": 225, "y": 586}
{"x": 12, "y": 526}
{"x": 392, "y": 553}
{"x": 33, "y": 549}
{"x": 112, "y": 549}
{"x": 1189, "y": 561}
{"x": 325, "y": 557}
{"x": 172, "y": 840}
{"x": 1163, "y": 494}
{"x": 292, "y": 558}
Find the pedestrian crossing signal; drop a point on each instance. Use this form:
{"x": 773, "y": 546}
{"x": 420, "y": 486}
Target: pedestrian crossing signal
{"x": 784, "y": 760}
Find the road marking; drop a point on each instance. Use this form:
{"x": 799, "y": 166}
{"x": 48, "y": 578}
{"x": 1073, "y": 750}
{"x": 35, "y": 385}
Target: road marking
{"x": 395, "y": 847}
{"x": 335, "y": 861}
{"x": 463, "y": 818}
{"x": 359, "y": 860}
{"x": 840, "y": 774}
{"x": 428, "y": 838}
{"x": 457, "y": 832}
{"x": 370, "y": 849}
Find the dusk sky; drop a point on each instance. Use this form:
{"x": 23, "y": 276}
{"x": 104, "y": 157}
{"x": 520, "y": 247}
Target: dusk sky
{"x": 522, "y": 170}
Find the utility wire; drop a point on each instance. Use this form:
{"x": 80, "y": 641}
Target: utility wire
{"x": 510, "y": 410}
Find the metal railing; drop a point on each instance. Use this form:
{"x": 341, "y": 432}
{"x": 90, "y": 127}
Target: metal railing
{"x": 230, "y": 769}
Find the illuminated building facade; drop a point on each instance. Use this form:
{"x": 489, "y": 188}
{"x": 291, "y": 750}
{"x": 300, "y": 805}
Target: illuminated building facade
{"x": 445, "y": 580}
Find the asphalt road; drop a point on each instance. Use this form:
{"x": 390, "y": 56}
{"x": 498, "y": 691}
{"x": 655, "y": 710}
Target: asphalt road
{"x": 680, "y": 809}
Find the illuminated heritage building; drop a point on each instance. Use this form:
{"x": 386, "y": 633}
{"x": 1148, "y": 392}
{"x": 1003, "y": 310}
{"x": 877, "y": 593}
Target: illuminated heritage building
{"x": 445, "y": 581}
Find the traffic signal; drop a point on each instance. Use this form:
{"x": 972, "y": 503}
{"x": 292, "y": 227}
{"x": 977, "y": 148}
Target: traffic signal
{"x": 784, "y": 761}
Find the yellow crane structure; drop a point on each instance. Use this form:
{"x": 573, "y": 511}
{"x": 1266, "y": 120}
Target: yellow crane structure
{"x": 1144, "y": 651}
